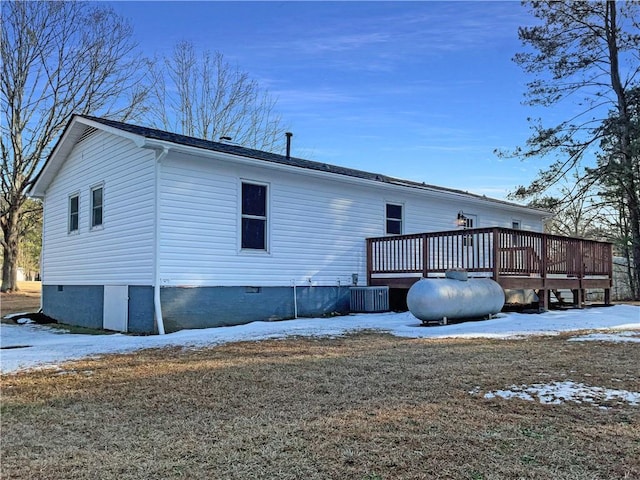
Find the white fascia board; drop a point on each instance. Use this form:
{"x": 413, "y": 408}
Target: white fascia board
{"x": 450, "y": 195}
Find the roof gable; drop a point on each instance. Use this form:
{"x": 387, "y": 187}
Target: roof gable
{"x": 78, "y": 129}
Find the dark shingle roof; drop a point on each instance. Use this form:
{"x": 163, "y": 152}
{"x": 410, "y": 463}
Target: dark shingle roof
{"x": 162, "y": 135}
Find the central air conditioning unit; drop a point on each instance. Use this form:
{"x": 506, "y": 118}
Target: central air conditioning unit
{"x": 369, "y": 299}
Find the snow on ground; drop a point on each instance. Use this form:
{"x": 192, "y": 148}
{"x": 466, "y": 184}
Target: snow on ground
{"x": 28, "y": 346}
{"x": 618, "y": 337}
{"x": 557, "y": 393}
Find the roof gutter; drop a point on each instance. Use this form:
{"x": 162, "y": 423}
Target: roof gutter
{"x": 160, "y": 155}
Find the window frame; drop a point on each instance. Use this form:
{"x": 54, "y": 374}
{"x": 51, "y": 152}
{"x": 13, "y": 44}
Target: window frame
{"x": 516, "y": 240}
{"x": 470, "y": 219}
{"x": 76, "y": 230}
{"x": 265, "y": 218}
{"x": 92, "y": 207}
{"x": 393, "y": 219}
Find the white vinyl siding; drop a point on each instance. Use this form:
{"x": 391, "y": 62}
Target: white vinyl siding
{"x": 316, "y": 229}
{"x": 315, "y": 223}
{"x": 121, "y": 253}
{"x": 317, "y": 226}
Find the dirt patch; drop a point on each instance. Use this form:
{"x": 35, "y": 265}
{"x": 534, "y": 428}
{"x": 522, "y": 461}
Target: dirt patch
{"x": 366, "y": 406}
{"x": 25, "y": 300}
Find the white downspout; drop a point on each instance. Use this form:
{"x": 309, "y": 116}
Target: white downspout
{"x": 295, "y": 299}
{"x": 42, "y": 257}
{"x": 156, "y": 257}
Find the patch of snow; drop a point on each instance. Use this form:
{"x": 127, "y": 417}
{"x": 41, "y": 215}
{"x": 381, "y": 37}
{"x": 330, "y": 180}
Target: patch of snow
{"x": 24, "y": 320}
{"x": 557, "y": 393}
{"x": 617, "y": 337}
{"x": 51, "y": 346}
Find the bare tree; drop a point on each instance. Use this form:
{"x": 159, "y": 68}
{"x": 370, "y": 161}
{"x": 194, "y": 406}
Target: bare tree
{"x": 204, "y": 96}
{"x": 58, "y": 58}
{"x": 579, "y": 209}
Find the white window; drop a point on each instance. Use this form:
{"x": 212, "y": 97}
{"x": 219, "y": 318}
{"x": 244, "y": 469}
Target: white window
{"x": 515, "y": 224}
{"x": 254, "y": 217}
{"x": 74, "y": 213}
{"x": 394, "y": 219}
{"x": 97, "y": 203}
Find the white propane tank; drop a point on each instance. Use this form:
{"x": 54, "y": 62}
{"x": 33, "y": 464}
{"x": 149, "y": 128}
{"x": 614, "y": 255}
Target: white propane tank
{"x": 438, "y": 299}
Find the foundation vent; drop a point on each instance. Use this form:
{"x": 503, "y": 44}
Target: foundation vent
{"x": 369, "y": 299}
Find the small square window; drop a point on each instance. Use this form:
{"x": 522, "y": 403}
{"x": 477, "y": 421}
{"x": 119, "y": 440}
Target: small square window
{"x": 74, "y": 213}
{"x": 96, "y": 206}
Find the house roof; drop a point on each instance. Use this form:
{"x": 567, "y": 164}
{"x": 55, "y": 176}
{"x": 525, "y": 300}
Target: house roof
{"x": 141, "y": 133}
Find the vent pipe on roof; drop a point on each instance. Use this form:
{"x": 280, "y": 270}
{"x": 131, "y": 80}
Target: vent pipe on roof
{"x": 289, "y": 135}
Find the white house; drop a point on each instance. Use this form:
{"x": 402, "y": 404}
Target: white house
{"x": 145, "y": 230}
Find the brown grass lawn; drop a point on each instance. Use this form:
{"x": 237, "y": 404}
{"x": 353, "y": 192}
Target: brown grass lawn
{"x": 365, "y": 406}
{"x": 26, "y": 300}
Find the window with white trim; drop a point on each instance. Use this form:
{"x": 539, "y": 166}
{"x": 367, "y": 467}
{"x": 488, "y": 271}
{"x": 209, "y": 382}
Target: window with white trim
{"x": 394, "y": 219}
{"x": 516, "y": 239}
{"x": 74, "y": 213}
{"x": 468, "y": 221}
{"x": 97, "y": 206}
{"x": 254, "y": 217}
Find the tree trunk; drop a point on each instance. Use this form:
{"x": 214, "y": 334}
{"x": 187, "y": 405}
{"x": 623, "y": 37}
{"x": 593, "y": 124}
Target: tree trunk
{"x": 626, "y": 151}
{"x": 10, "y": 250}
{"x": 635, "y": 249}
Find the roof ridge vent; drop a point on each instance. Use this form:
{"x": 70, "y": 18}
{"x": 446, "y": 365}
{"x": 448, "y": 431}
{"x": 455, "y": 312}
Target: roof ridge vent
{"x": 87, "y": 133}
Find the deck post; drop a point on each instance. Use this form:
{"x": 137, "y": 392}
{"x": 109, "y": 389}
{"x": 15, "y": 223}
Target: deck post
{"x": 581, "y": 274}
{"x": 544, "y": 293}
{"x": 495, "y": 232}
{"x": 425, "y": 255}
{"x": 578, "y": 297}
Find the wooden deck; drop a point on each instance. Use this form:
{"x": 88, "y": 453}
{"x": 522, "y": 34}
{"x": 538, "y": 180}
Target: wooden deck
{"x": 516, "y": 259}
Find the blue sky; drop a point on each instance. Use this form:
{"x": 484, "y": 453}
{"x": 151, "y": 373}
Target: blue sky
{"x": 418, "y": 90}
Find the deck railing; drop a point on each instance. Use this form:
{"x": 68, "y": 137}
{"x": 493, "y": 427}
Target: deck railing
{"x": 495, "y": 252}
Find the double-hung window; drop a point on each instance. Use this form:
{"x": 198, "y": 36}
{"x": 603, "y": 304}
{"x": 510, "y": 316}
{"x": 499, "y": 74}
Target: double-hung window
{"x": 468, "y": 222}
{"x": 74, "y": 213}
{"x": 97, "y": 202}
{"x": 394, "y": 219}
{"x": 254, "y": 216}
{"x": 516, "y": 239}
